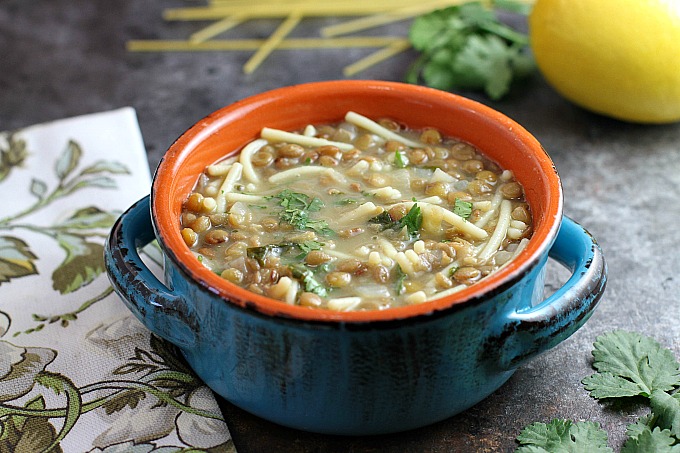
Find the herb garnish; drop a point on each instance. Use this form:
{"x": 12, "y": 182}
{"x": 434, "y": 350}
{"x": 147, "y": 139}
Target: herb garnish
{"x": 277, "y": 250}
{"x": 296, "y": 209}
{"x": 308, "y": 280}
{"x": 399, "y": 283}
{"x": 412, "y": 221}
{"x": 462, "y": 208}
{"x": 466, "y": 47}
{"x": 346, "y": 201}
{"x": 399, "y": 160}
{"x": 628, "y": 365}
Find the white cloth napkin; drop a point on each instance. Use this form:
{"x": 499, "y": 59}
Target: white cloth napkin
{"x": 77, "y": 371}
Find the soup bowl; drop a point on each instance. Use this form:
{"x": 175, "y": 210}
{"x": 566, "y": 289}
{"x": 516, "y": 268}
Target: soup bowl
{"x": 363, "y": 372}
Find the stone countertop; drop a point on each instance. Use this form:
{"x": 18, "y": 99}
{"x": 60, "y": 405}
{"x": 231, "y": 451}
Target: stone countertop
{"x": 63, "y": 58}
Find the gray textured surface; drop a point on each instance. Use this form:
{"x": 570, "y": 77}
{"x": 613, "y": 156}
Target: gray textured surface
{"x": 61, "y": 58}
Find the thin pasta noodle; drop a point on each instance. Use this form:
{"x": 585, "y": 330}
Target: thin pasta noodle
{"x": 498, "y": 233}
{"x": 244, "y": 197}
{"x": 277, "y": 135}
{"x": 386, "y": 193}
{"x": 344, "y": 303}
{"x": 488, "y": 215}
{"x": 372, "y": 126}
{"x": 291, "y": 294}
{"x": 363, "y": 212}
{"x": 246, "y": 159}
{"x": 228, "y": 186}
{"x": 447, "y": 292}
{"x": 295, "y": 173}
{"x": 405, "y": 263}
{"x": 387, "y": 248}
{"x": 416, "y": 298}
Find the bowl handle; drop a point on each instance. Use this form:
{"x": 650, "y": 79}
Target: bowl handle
{"x": 539, "y": 328}
{"x": 166, "y": 314}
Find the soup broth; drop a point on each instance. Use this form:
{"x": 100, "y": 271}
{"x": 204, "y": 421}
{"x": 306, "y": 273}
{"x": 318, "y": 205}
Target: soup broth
{"x": 357, "y": 215}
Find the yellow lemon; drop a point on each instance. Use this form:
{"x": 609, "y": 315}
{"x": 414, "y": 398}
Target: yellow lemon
{"x": 619, "y": 58}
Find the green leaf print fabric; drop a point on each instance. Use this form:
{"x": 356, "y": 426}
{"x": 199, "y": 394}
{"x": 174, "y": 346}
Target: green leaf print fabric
{"x": 78, "y": 373}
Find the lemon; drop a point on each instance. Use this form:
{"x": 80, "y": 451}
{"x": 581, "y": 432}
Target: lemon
{"x": 619, "y": 58}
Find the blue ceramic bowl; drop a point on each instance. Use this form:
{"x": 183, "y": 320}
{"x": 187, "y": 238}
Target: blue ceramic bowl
{"x": 362, "y": 372}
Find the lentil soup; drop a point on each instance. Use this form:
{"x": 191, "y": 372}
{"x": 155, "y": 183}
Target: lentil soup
{"x": 357, "y": 215}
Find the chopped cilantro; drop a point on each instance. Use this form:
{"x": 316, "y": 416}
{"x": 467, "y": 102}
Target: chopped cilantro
{"x": 399, "y": 160}
{"x": 384, "y": 219}
{"x": 452, "y": 271}
{"x": 296, "y": 209}
{"x": 308, "y": 280}
{"x": 466, "y": 47}
{"x": 462, "y": 208}
{"x": 200, "y": 258}
{"x": 277, "y": 250}
{"x": 346, "y": 201}
{"x": 271, "y": 250}
{"x": 308, "y": 246}
{"x": 400, "y": 276}
{"x": 412, "y": 221}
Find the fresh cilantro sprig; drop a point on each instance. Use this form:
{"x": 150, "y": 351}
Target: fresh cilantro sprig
{"x": 628, "y": 365}
{"x": 467, "y": 47}
{"x": 297, "y": 208}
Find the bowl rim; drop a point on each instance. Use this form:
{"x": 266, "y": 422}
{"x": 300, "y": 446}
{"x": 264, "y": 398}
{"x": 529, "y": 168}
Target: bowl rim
{"x": 167, "y": 229}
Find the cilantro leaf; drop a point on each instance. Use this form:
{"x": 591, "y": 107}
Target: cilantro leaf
{"x": 413, "y": 220}
{"x": 563, "y": 436}
{"x": 648, "y": 441}
{"x": 296, "y": 208}
{"x": 462, "y": 208}
{"x": 308, "y": 280}
{"x": 399, "y": 160}
{"x": 467, "y": 47}
{"x": 630, "y": 364}
{"x": 666, "y": 408}
{"x": 384, "y": 219}
{"x": 646, "y": 422}
{"x": 399, "y": 283}
{"x": 308, "y": 246}
{"x": 263, "y": 252}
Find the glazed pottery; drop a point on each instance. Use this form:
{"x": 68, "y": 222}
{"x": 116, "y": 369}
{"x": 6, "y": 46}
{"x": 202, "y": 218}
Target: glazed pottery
{"x": 369, "y": 372}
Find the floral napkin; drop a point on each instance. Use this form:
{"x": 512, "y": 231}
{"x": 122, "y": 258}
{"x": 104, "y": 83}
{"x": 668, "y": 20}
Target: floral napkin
{"x": 77, "y": 372}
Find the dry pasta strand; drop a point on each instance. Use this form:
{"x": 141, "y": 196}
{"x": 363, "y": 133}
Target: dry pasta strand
{"x": 274, "y": 40}
{"x": 385, "y": 18}
{"x": 376, "y": 57}
{"x": 218, "y": 27}
{"x": 160, "y": 45}
{"x": 258, "y": 10}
